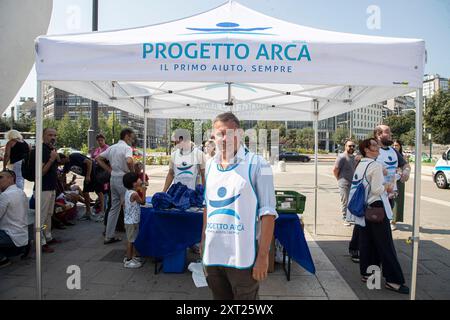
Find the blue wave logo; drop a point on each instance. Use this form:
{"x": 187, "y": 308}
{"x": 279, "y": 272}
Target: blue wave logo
{"x": 390, "y": 162}
{"x": 185, "y": 172}
{"x": 184, "y": 167}
{"x": 230, "y": 27}
{"x": 222, "y": 192}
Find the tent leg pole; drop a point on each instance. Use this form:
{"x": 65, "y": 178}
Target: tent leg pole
{"x": 417, "y": 192}
{"x": 38, "y": 186}
{"x": 146, "y": 112}
{"x": 316, "y": 151}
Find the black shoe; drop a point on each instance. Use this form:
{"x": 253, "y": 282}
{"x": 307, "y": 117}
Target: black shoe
{"x": 4, "y": 262}
{"x": 402, "y": 289}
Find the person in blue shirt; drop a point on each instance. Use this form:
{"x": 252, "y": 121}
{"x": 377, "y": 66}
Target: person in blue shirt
{"x": 83, "y": 166}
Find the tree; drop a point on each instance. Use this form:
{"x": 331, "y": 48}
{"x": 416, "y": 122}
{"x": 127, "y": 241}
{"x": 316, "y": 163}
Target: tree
{"x": 400, "y": 124}
{"x": 110, "y": 127}
{"x": 305, "y": 138}
{"x": 437, "y": 117}
{"x": 342, "y": 134}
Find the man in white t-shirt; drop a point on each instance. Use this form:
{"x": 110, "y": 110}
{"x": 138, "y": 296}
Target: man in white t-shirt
{"x": 120, "y": 156}
{"x": 186, "y": 164}
{"x": 13, "y": 218}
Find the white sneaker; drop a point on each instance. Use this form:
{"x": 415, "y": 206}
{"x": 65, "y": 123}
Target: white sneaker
{"x": 132, "y": 264}
{"x": 141, "y": 260}
{"x": 346, "y": 223}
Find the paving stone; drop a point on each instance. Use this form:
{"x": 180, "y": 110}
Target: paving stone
{"x": 302, "y": 286}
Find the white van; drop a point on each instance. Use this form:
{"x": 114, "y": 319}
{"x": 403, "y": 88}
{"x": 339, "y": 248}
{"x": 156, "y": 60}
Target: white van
{"x": 441, "y": 171}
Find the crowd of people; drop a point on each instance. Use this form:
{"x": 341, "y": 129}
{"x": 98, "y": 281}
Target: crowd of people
{"x": 231, "y": 174}
{"x": 383, "y": 171}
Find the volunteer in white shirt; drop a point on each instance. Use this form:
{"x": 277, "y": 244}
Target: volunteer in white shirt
{"x": 186, "y": 164}
{"x": 13, "y": 218}
{"x": 390, "y": 158}
{"x": 120, "y": 156}
{"x": 239, "y": 217}
{"x": 392, "y": 161}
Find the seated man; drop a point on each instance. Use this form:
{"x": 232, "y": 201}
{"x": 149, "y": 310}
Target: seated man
{"x": 13, "y": 218}
{"x": 82, "y": 165}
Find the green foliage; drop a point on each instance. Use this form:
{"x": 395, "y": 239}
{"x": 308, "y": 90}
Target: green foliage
{"x": 342, "y": 134}
{"x": 305, "y": 138}
{"x": 401, "y": 124}
{"x": 437, "y": 117}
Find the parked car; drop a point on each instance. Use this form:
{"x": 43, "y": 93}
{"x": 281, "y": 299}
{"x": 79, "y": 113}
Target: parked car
{"x": 68, "y": 151}
{"x": 294, "y": 156}
{"x": 441, "y": 171}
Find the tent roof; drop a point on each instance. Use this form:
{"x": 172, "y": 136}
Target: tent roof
{"x": 268, "y": 68}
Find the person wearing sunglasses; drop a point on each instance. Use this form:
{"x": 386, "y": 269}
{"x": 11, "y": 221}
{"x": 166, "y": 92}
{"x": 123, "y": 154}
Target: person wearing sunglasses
{"x": 343, "y": 170}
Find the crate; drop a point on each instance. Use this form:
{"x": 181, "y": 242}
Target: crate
{"x": 175, "y": 263}
{"x": 290, "y": 201}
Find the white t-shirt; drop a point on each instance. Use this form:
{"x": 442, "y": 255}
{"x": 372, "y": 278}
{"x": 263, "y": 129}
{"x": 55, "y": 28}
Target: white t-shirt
{"x": 117, "y": 155}
{"x": 14, "y": 215}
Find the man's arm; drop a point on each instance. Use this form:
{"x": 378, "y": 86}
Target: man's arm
{"x": 202, "y": 243}
{"x": 169, "y": 179}
{"x": 202, "y": 173}
{"x": 46, "y": 167}
{"x": 88, "y": 163}
{"x": 336, "y": 168}
{"x": 130, "y": 164}
{"x": 336, "y": 172}
{"x": 3, "y": 205}
{"x": 264, "y": 187}
{"x": 262, "y": 260}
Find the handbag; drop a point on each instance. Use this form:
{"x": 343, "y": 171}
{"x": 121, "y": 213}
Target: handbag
{"x": 375, "y": 214}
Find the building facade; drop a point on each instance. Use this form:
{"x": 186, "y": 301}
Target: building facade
{"x": 58, "y": 103}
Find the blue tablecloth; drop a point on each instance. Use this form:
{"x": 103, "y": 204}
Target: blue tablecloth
{"x": 289, "y": 232}
{"x": 164, "y": 232}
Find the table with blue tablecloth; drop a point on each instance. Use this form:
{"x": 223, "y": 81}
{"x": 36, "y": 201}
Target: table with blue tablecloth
{"x": 163, "y": 233}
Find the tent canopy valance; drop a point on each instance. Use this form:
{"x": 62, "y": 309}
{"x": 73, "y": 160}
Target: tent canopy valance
{"x": 231, "y": 58}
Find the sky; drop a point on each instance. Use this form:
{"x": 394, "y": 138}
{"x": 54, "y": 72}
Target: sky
{"x": 424, "y": 19}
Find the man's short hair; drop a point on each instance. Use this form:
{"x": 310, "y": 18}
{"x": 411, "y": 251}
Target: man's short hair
{"x": 227, "y": 116}
{"x": 46, "y": 129}
{"x": 62, "y": 156}
{"x": 377, "y": 131}
{"x": 125, "y": 132}
{"x": 11, "y": 173}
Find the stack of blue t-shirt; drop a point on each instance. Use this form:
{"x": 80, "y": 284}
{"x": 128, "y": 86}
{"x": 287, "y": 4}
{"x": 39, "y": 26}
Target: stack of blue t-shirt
{"x": 179, "y": 196}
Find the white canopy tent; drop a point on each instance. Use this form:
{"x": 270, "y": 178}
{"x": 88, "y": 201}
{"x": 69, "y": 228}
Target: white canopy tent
{"x": 232, "y": 58}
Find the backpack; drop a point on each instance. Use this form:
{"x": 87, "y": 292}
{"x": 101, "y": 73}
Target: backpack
{"x": 28, "y": 165}
{"x": 358, "y": 204}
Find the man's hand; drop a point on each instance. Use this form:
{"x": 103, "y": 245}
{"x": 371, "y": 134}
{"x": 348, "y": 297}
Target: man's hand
{"x": 405, "y": 175}
{"x": 261, "y": 267}
{"x": 385, "y": 172}
{"x": 53, "y": 155}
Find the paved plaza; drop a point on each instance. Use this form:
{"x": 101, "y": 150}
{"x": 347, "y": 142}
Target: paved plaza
{"x": 337, "y": 277}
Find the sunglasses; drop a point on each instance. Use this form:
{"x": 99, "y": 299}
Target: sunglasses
{"x": 351, "y": 146}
